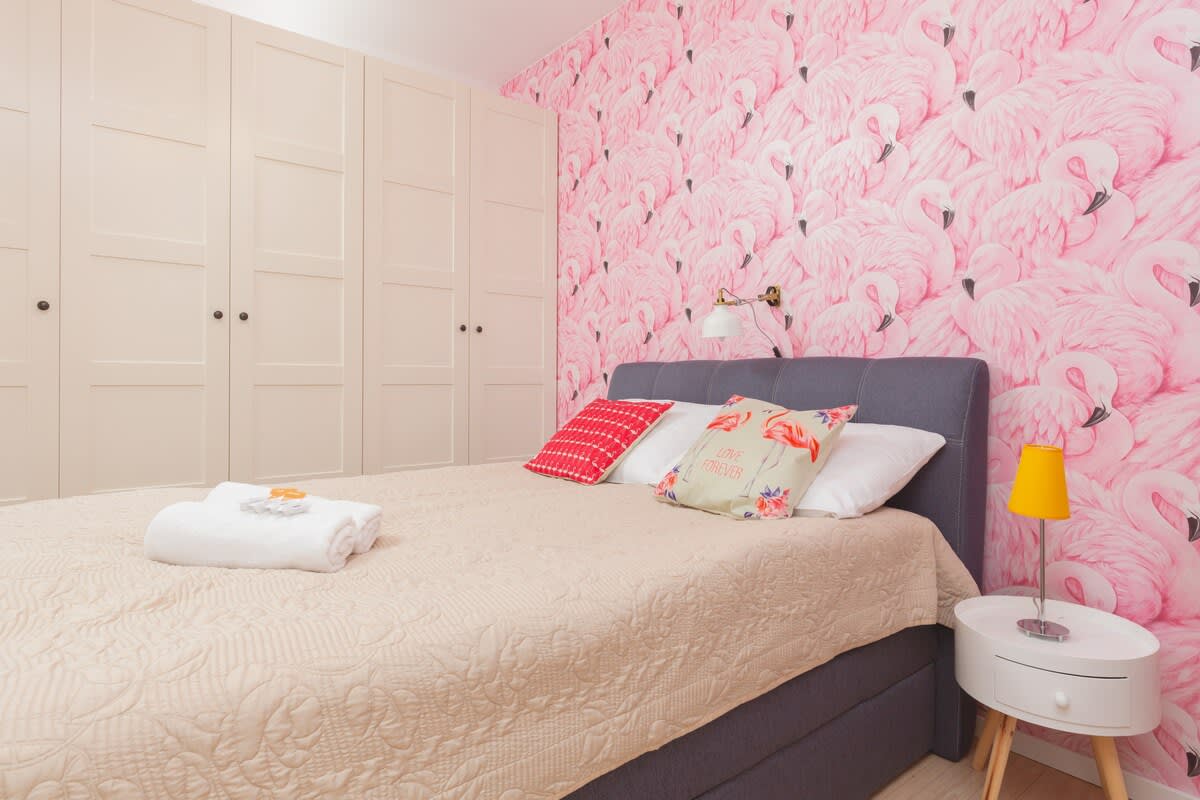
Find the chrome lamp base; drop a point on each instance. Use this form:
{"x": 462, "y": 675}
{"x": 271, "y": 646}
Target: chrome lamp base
{"x": 1043, "y": 629}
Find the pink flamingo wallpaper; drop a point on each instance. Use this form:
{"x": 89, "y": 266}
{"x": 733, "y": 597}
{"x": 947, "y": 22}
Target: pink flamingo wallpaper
{"x": 1013, "y": 179}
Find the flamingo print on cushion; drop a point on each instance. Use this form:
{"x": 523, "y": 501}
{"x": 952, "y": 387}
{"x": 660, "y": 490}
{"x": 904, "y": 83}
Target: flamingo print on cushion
{"x": 786, "y": 431}
{"x": 783, "y": 433}
{"x": 756, "y": 460}
{"x": 727, "y": 421}
{"x": 1016, "y": 180}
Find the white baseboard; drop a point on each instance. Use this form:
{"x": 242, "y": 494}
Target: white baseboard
{"x": 1084, "y": 768}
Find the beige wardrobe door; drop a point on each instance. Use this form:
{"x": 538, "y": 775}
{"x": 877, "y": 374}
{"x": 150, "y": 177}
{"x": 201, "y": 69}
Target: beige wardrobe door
{"x": 296, "y": 279}
{"x": 29, "y": 77}
{"x": 415, "y": 270}
{"x": 513, "y": 272}
{"x": 145, "y": 248}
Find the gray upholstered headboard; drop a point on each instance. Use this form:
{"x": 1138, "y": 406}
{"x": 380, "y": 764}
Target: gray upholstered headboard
{"x": 945, "y": 395}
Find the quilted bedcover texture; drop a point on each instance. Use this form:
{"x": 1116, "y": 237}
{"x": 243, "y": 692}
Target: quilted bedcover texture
{"x": 510, "y": 636}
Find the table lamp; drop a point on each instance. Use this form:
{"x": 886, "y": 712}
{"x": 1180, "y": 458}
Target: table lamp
{"x": 1040, "y": 491}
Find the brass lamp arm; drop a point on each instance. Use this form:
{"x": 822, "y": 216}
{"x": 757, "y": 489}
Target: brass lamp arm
{"x": 771, "y": 297}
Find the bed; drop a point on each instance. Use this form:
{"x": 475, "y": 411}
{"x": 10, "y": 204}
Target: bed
{"x": 848, "y": 727}
{"x": 513, "y": 636}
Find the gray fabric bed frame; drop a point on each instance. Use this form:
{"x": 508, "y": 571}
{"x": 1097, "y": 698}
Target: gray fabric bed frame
{"x": 843, "y": 730}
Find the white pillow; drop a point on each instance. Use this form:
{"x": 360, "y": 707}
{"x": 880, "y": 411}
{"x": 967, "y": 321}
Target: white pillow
{"x": 659, "y": 450}
{"x": 869, "y": 464}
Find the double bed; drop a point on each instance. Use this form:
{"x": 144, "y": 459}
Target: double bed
{"x": 513, "y": 636}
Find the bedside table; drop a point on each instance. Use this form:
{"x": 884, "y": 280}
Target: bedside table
{"x": 1102, "y": 681}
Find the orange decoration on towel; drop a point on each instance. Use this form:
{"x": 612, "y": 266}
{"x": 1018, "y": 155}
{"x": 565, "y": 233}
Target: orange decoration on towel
{"x": 288, "y": 493}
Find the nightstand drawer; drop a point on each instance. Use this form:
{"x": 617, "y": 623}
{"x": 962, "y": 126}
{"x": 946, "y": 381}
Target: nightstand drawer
{"x": 1057, "y": 696}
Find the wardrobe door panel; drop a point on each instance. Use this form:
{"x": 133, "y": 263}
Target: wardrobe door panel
{"x": 29, "y": 131}
{"x": 145, "y": 247}
{"x": 296, "y": 357}
{"x": 513, "y": 275}
{"x": 417, "y": 187}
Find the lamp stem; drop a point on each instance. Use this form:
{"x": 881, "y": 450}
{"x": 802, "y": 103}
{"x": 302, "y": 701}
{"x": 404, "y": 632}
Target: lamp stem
{"x": 1041, "y": 628}
{"x": 1042, "y": 574}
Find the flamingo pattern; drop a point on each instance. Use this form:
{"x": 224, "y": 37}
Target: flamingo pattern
{"x": 728, "y": 421}
{"x": 1017, "y": 180}
{"x": 783, "y": 432}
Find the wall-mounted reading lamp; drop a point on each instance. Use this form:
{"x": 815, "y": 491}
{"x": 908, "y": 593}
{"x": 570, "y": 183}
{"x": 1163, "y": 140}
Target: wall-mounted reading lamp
{"x": 722, "y": 323}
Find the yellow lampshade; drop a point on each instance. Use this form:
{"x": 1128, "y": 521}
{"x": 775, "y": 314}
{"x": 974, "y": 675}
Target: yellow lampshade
{"x": 1040, "y": 489}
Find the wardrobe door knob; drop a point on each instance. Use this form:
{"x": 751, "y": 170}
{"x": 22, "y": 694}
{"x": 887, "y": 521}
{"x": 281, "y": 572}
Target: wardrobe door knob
{"x": 479, "y": 329}
{"x": 42, "y": 305}
{"x": 218, "y": 314}
{"x": 243, "y": 316}
{"x": 462, "y": 328}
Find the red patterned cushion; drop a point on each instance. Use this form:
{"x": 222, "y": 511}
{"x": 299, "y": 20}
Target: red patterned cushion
{"x": 587, "y": 448}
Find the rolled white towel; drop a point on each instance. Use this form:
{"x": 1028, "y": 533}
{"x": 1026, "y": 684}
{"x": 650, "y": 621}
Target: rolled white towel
{"x": 231, "y": 494}
{"x": 202, "y": 535}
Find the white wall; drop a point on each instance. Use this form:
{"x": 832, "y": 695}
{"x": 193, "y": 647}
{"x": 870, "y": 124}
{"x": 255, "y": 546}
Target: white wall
{"x": 482, "y": 43}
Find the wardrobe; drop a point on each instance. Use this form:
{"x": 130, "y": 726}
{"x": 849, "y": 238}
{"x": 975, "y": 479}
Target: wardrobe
{"x": 459, "y": 318}
{"x": 264, "y": 257}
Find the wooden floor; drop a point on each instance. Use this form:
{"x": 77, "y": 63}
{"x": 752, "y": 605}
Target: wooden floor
{"x": 937, "y": 779}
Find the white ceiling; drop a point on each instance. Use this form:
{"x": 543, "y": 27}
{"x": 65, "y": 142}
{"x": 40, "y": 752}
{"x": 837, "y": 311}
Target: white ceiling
{"x": 479, "y": 42}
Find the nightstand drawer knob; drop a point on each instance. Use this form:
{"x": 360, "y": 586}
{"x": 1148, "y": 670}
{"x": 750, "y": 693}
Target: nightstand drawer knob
{"x": 1061, "y": 700}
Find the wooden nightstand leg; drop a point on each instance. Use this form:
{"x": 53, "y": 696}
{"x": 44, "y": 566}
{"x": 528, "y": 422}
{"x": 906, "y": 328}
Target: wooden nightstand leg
{"x": 1104, "y": 749}
{"x": 983, "y": 747}
{"x": 999, "y": 759}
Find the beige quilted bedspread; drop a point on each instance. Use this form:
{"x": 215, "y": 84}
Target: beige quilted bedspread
{"x": 509, "y": 637}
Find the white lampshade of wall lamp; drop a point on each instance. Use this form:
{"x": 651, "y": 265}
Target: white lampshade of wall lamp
{"x": 721, "y": 323}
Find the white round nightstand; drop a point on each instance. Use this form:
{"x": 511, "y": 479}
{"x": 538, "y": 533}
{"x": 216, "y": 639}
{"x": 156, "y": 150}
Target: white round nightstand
{"x": 1102, "y": 681}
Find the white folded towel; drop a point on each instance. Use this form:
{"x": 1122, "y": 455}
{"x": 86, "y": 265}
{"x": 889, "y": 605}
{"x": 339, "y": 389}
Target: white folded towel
{"x": 202, "y": 535}
{"x": 366, "y": 516}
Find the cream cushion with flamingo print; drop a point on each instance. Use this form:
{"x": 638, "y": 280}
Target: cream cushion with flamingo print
{"x": 755, "y": 459}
